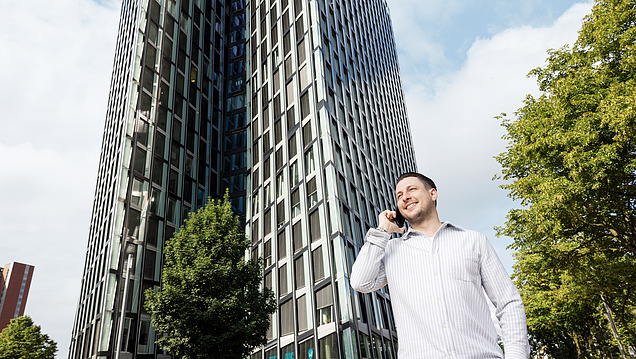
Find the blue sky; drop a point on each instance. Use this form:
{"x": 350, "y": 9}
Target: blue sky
{"x": 449, "y": 28}
{"x": 463, "y": 62}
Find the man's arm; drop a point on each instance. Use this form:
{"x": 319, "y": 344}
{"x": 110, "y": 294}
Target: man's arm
{"x": 507, "y": 301}
{"x": 367, "y": 273}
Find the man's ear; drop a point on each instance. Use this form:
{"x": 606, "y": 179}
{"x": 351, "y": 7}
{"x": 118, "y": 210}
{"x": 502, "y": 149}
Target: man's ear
{"x": 433, "y": 193}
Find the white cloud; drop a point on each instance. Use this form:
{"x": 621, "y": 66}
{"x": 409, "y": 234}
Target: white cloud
{"x": 55, "y": 81}
{"x": 419, "y": 27}
{"x": 46, "y": 206}
{"x": 454, "y": 129}
{"x": 55, "y": 75}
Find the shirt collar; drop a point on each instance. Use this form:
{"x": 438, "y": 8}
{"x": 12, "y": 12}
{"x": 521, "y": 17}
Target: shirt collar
{"x": 412, "y": 232}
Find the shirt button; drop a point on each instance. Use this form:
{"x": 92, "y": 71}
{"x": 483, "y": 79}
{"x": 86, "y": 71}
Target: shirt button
{"x": 444, "y": 325}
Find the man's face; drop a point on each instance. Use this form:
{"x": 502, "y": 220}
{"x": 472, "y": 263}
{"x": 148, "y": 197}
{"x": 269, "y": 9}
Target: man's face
{"x": 414, "y": 201}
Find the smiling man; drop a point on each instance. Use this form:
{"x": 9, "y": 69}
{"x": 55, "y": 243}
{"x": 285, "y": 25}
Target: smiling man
{"x": 437, "y": 275}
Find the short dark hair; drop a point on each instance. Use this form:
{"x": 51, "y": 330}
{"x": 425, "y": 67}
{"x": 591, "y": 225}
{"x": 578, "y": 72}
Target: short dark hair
{"x": 428, "y": 183}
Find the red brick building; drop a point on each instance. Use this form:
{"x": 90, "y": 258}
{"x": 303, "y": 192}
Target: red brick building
{"x": 15, "y": 282}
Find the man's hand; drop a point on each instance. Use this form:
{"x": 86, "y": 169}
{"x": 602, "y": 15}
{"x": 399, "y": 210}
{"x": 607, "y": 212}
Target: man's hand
{"x": 386, "y": 220}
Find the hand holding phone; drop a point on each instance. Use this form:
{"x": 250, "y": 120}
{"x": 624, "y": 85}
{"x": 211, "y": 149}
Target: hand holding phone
{"x": 399, "y": 219}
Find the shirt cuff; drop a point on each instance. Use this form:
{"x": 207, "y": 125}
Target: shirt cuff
{"x": 378, "y": 237}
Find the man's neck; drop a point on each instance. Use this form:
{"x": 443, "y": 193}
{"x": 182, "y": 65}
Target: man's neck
{"x": 428, "y": 226}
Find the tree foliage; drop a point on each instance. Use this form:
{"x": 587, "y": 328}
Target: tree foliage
{"x": 22, "y": 339}
{"x": 571, "y": 162}
{"x": 210, "y": 304}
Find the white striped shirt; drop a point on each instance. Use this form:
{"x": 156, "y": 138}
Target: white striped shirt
{"x": 437, "y": 297}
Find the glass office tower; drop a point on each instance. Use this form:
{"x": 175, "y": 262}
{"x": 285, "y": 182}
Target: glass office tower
{"x": 175, "y": 133}
{"x": 294, "y": 106}
{"x": 329, "y": 136}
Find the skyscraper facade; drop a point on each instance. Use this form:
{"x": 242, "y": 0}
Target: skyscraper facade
{"x": 296, "y": 107}
{"x": 330, "y": 135}
{"x": 175, "y": 133}
{"x": 15, "y": 282}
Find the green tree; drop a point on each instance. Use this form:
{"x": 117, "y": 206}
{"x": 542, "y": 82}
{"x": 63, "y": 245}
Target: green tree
{"x": 571, "y": 162}
{"x": 210, "y": 304}
{"x": 22, "y": 339}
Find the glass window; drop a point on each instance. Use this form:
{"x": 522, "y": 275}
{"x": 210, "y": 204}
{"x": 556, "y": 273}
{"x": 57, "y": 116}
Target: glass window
{"x": 294, "y": 174}
{"x": 297, "y": 236}
{"x": 155, "y": 231}
{"x": 292, "y": 146}
{"x": 134, "y": 222}
{"x": 146, "y": 338}
{"x": 142, "y": 132}
{"x": 314, "y": 225}
{"x": 140, "y": 160}
{"x": 278, "y": 131}
{"x": 365, "y": 346}
{"x": 149, "y": 264}
{"x": 286, "y": 318}
{"x": 306, "y": 350}
{"x": 255, "y": 180}
{"x": 346, "y": 221}
{"x": 287, "y": 352}
{"x": 268, "y": 194}
{"x": 291, "y": 118}
{"x": 276, "y": 81}
{"x": 283, "y": 282}
{"x": 389, "y": 349}
{"x": 312, "y": 192}
{"x": 300, "y": 28}
{"x": 277, "y": 109}
{"x": 324, "y": 305}
{"x": 301, "y": 313}
{"x": 171, "y": 210}
{"x": 310, "y": 162}
{"x": 295, "y": 203}
{"x": 267, "y": 223}
{"x": 377, "y": 346}
{"x": 280, "y": 184}
{"x": 299, "y": 268}
{"x": 271, "y": 354}
{"x": 280, "y": 214}
{"x": 268, "y": 280}
{"x": 235, "y": 102}
{"x": 305, "y": 80}
{"x": 304, "y": 105}
{"x": 267, "y": 253}
{"x": 282, "y": 245}
{"x": 290, "y": 93}
{"x": 138, "y": 195}
{"x": 255, "y": 237}
{"x": 329, "y": 347}
{"x": 298, "y": 7}
{"x": 279, "y": 158}
{"x": 286, "y": 43}
{"x": 301, "y": 52}
{"x": 319, "y": 265}
{"x": 307, "y": 135}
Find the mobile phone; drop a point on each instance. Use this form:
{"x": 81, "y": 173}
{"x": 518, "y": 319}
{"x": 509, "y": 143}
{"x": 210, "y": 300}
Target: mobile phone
{"x": 399, "y": 219}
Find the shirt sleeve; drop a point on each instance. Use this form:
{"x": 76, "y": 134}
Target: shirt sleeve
{"x": 507, "y": 301}
{"x": 368, "y": 273}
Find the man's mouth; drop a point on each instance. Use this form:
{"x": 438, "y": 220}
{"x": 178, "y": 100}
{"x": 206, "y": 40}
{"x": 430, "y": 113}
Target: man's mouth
{"x": 410, "y": 205}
